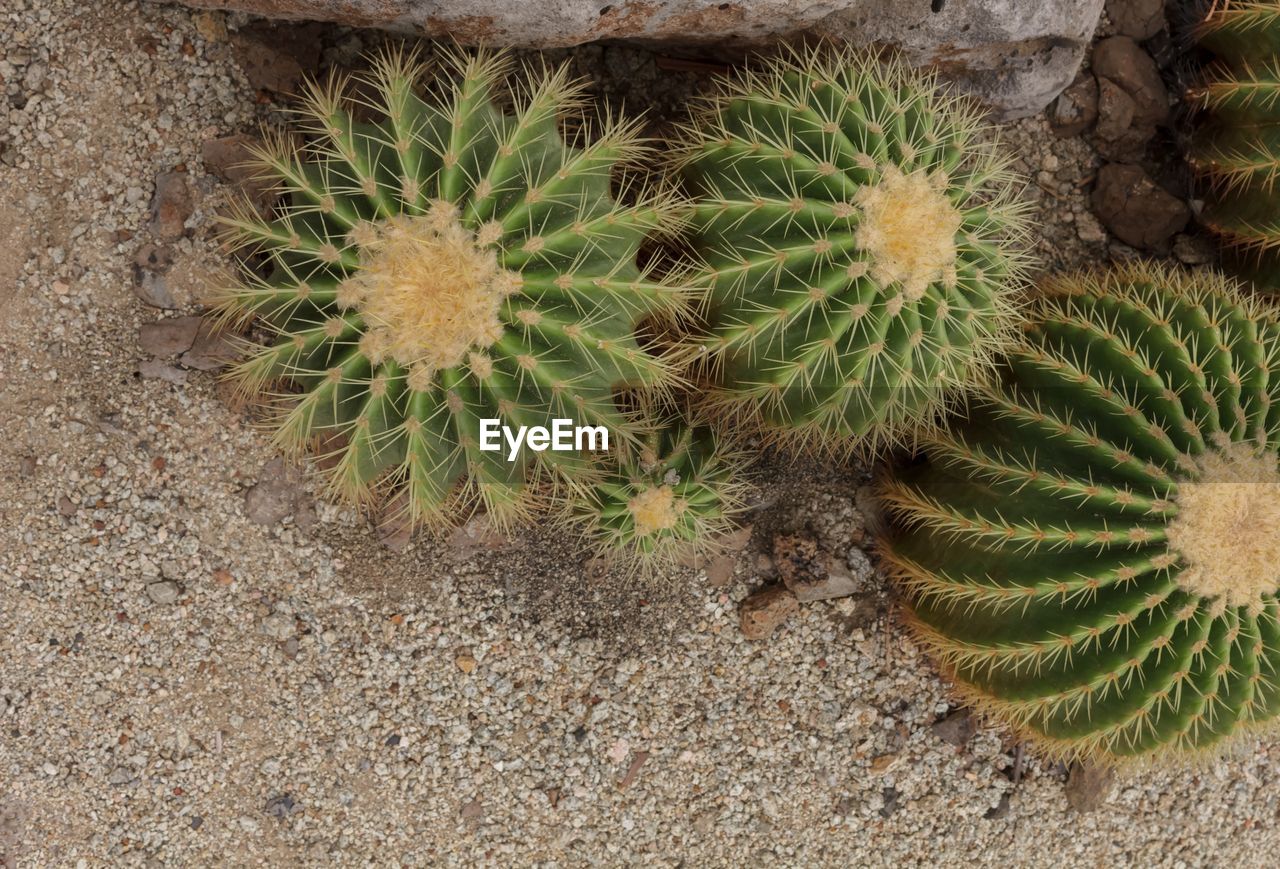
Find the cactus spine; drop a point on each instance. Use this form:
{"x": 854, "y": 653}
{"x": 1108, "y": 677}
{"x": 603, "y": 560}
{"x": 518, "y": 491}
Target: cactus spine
{"x": 862, "y": 242}
{"x": 1094, "y": 553}
{"x": 449, "y": 262}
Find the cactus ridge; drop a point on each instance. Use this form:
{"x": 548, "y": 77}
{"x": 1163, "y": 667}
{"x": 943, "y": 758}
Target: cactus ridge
{"x": 863, "y": 242}
{"x": 446, "y": 262}
{"x": 1237, "y": 149}
{"x": 1093, "y": 554}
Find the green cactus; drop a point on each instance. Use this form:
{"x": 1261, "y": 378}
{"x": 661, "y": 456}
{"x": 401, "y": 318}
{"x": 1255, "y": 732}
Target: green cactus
{"x": 1094, "y": 553}
{"x": 671, "y": 499}
{"x": 448, "y": 262}
{"x": 1236, "y": 150}
{"x": 863, "y": 244}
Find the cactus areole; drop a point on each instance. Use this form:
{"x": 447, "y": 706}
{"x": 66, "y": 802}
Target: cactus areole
{"x": 1094, "y": 552}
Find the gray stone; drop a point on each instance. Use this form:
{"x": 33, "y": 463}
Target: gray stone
{"x": 956, "y": 729}
{"x": 1015, "y": 55}
{"x": 155, "y": 369}
{"x": 282, "y": 806}
{"x": 153, "y": 289}
{"x": 169, "y": 337}
{"x": 164, "y": 592}
{"x": 811, "y": 574}
{"x": 839, "y": 582}
{"x": 999, "y": 811}
{"x": 277, "y": 496}
{"x": 149, "y": 283}
{"x": 277, "y": 626}
{"x": 860, "y": 566}
{"x": 33, "y": 80}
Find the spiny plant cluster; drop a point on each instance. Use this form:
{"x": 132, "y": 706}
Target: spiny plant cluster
{"x": 1094, "y": 552}
{"x": 1091, "y": 550}
{"x": 1237, "y": 148}
{"x": 439, "y": 260}
{"x": 863, "y": 243}
{"x": 447, "y": 262}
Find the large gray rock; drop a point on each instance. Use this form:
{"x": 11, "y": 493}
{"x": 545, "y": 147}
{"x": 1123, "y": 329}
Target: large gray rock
{"x": 1014, "y": 54}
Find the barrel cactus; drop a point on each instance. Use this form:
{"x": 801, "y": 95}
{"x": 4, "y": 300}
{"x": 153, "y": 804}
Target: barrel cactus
{"x": 1094, "y": 553}
{"x": 1236, "y": 149}
{"x": 863, "y": 243}
{"x": 447, "y": 262}
{"x": 672, "y": 498}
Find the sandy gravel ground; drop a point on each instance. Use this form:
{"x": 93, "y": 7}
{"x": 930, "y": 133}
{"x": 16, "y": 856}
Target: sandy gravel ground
{"x": 181, "y": 684}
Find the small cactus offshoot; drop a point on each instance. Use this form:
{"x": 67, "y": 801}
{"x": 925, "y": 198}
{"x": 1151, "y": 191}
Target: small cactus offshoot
{"x": 446, "y": 262}
{"x": 1094, "y": 553}
{"x": 1237, "y": 148}
{"x": 863, "y": 244}
{"x": 671, "y": 498}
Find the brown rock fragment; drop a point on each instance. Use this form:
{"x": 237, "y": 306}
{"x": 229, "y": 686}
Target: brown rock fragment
{"x": 1123, "y": 61}
{"x": 231, "y": 159}
{"x": 212, "y": 349}
{"x": 723, "y": 558}
{"x": 170, "y": 336}
{"x": 765, "y": 610}
{"x": 171, "y": 206}
{"x": 1137, "y": 19}
{"x": 1088, "y": 786}
{"x": 1076, "y": 108}
{"x": 278, "y": 58}
{"x": 1137, "y": 210}
{"x": 808, "y": 572}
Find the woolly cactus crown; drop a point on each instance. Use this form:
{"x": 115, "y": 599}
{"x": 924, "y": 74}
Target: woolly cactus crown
{"x": 863, "y": 245}
{"x": 445, "y": 263}
{"x": 1094, "y": 554}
